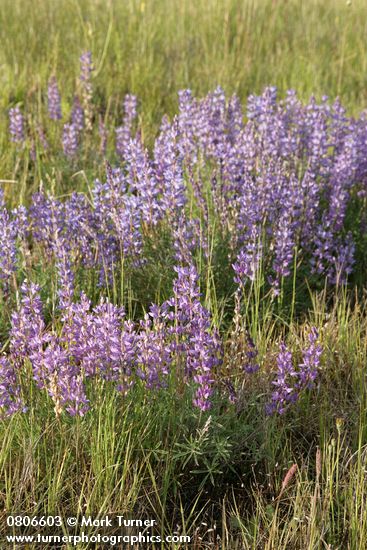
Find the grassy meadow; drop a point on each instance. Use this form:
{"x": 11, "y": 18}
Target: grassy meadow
{"x": 153, "y": 49}
{"x": 232, "y": 477}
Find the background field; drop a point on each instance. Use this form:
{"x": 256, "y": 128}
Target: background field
{"x": 221, "y": 480}
{"x": 153, "y": 49}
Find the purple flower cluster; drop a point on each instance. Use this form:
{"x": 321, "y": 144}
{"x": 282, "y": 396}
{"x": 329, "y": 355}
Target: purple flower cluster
{"x": 251, "y": 365}
{"x": 54, "y": 99}
{"x": 124, "y": 132}
{"x": 276, "y": 185}
{"x": 201, "y": 345}
{"x": 77, "y": 115}
{"x": 13, "y": 227}
{"x": 16, "y": 125}
{"x": 290, "y": 381}
{"x": 70, "y": 140}
{"x": 8, "y": 248}
{"x": 10, "y": 389}
{"x": 99, "y": 343}
{"x": 86, "y": 68}
{"x": 278, "y": 179}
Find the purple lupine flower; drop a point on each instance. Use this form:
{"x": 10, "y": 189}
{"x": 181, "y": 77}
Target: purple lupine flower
{"x": 128, "y": 343}
{"x": 107, "y": 335}
{"x": 77, "y": 115}
{"x": 103, "y": 134}
{"x": 130, "y": 108}
{"x": 231, "y": 391}
{"x": 333, "y": 256}
{"x": 10, "y": 392}
{"x": 60, "y": 378}
{"x": 285, "y": 383}
{"x": 86, "y": 68}
{"x": 122, "y": 137}
{"x": 169, "y": 171}
{"x": 204, "y": 355}
{"x": 308, "y": 369}
{"x": 65, "y": 277}
{"x": 143, "y": 182}
{"x": 127, "y": 219}
{"x": 20, "y": 221}
{"x": 234, "y": 119}
{"x": 8, "y": 251}
{"x": 284, "y": 250}
{"x": 186, "y": 125}
{"x": 187, "y": 237}
{"x": 248, "y": 260}
{"x": 77, "y": 225}
{"x": 124, "y": 132}
{"x": 202, "y": 345}
{"x": 74, "y": 398}
{"x": 16, "y": 125}
{"x": 27, "y": 324}
{"x": 290, "y": 382}
{"x": 344, "y": 260}
{"x": 153, "y": 350}
{"x": 78, "y": 336}
{"x": 54, "y": 99}
{"x": 47, "y": 219}
{"x": 70, "y": 140}
{"x": 251, "y": 365}
{"x": 117, "y": 222}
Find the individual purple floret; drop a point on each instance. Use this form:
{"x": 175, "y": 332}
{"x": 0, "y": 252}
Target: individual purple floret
{"x": 54, "y": 99}
{"x": 16, "y": 125}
